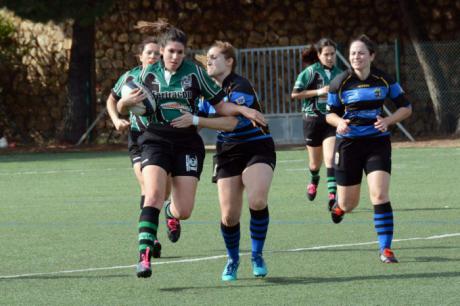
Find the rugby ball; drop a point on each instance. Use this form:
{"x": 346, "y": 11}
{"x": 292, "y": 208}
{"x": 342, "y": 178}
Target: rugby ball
{"x": 144, "y": 108}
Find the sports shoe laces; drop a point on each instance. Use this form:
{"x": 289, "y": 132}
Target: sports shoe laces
{"x": 172, "y": 224}
{"x": 331, "y": 196}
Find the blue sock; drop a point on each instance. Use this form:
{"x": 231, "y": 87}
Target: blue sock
{"x": 258, "y": 228}
{"x": 383, "y": 221}
{"x": 231, "y": 235}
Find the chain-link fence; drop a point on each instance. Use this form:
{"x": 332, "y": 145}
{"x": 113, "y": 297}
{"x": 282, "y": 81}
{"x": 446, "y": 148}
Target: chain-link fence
{"x": 273, "y": 72}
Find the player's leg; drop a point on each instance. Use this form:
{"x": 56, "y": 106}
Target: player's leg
{"x": 313, "y": 143}
{"x": 378, "y": 169}
{"x": 348, "y": 166}
{"x": 315, "y": 158}
{"x": 155, "y": 179}
{"x": 138, "y": 173}
{"x": 257, "y": 179}
{"x": 186, "y": 171}
{"x": 230, "y": 191}
{"x": 328, "y": 153}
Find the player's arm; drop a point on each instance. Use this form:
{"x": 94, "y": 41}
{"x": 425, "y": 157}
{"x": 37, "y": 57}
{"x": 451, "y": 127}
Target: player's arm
{"x": 309, "y": 93}
{"x": 397, "y": 95}
{"x": 226, "y": 123}
{"x": 302, "y": 83}
{"x": 215, "y": 95}
{"x": 119, "y": 123}
{"x": 335, "y": 110}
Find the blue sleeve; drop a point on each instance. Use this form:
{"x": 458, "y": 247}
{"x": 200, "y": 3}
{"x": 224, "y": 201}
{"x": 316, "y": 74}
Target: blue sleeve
{"x": 397, "y": 95}
{"x": 205, "y": 109}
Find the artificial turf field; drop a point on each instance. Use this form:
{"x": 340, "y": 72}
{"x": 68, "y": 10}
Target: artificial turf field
{"x": 68, "y": 236}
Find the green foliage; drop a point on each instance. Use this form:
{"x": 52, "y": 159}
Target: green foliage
{"x": 7, "y": 41}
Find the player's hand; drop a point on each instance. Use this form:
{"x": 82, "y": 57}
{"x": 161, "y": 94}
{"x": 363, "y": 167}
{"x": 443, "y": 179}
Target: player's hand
{"x": 121, "y": 124}
{"x": 323, "y": 91}
{"x": 381, "y": 124}
{"x": 342, "y": 127}
{"x": 134, "y": 97}
{"x": 183, "y": 121}
{"x": 256, "y": 117}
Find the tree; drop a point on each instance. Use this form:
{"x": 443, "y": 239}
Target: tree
{"x": 81, "y": 104}
{"x": 434, "y": 76}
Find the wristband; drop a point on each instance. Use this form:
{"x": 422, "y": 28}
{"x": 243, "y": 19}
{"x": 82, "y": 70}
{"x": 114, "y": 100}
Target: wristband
{"x": 195, "y": 120}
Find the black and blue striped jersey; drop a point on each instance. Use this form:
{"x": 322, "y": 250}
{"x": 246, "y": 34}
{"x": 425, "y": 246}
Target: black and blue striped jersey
{"x": 361, "y": 101}
{"x": 239, "y": 91}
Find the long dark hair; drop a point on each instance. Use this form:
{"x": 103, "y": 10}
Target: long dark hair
{"x": 310, "y": 54}
{"x": 163, "y": 30}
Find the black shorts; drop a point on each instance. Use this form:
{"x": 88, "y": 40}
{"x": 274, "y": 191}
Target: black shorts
{"x": 135, "y": 152}
{"x": 232, "y": 158}
{"x": 352, "y": 156}
{"x": 315, "y": 130}
{"x": 178, "y": 153}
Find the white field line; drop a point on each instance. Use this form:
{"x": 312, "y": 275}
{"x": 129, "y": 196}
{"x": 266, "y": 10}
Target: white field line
{"x": 188, "y": 260}
{"x": 35, "y": 172}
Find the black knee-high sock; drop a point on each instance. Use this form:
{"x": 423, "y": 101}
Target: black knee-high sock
{"x": 148, "y": 226}
{"x": 383, "y": 222}
{"x": 231, "y": 235}
{"x": 258, "y": 228}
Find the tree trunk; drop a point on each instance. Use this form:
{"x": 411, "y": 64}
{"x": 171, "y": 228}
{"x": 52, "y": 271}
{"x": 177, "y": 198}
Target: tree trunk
{"x": 81, "y": 100}
{"x": 429, "y": 61}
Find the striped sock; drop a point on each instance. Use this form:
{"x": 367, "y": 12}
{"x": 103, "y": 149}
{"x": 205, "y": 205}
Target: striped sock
{"x": 314, "y": 174}
{"x": 231, "y": 235}
{"x": 148, "y": 226}
{"x": 258, "y": 228}
{"x": 331, "y": 184}
{"x": 383, "y": 221}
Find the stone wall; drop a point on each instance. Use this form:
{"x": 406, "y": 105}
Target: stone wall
{"x": 38, "y": 106}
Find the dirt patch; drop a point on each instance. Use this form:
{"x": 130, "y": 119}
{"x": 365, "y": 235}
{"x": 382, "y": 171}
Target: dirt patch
{"x": 426, "y": 143}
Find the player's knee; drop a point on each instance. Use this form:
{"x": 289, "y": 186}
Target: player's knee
{"x": 183, "y": 213}
{"x": 230, "y": 220}
{"x": 379, "y": 198}
{"x": 257, "y": 202}
{"x": 348, "y": 205}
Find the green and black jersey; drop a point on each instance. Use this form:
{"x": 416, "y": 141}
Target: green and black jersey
{"x": 177, "y": 92}
{"x": 138, "y": 123}
{"x": 314, "y": 77}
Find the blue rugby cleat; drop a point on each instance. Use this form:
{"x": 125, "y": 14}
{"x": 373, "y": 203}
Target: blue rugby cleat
{"x": 259, "y": 268}
{"x": 230, "y": 271}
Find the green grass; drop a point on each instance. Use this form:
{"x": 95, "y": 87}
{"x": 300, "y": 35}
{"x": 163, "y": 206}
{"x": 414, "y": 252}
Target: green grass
{"x": 76, "y": 211}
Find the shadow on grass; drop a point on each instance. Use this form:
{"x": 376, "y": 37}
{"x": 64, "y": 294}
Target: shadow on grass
{"x": 281, "y": 281}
